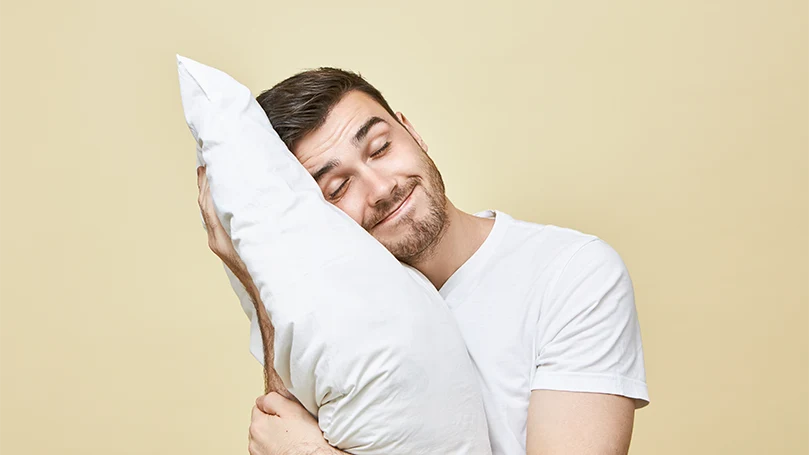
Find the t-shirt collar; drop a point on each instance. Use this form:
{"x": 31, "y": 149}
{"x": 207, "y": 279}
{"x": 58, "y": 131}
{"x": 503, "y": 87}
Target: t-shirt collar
{"x": 453, "y": 291}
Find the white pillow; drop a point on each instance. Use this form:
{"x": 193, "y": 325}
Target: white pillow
{"x": 375, "y": 354}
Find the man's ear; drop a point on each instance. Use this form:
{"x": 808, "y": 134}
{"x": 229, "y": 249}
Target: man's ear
{"x": 404, "y": 121}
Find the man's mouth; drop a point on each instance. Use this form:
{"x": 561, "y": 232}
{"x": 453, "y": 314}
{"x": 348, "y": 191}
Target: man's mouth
{"x": 398, "y": 209}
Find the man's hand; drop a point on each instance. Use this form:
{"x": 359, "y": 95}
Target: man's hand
{"x": 280, "y": 426}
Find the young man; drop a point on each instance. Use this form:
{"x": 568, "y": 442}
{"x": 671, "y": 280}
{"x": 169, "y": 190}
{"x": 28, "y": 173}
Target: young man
{"x": 547, "y": 313}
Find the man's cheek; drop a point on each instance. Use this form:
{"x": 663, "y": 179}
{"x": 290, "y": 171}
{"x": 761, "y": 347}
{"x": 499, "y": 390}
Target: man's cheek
{"x": 352, "y": 208}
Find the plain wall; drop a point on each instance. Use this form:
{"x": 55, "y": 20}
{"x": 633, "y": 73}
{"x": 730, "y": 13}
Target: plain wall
{"x": 675, "y": 131}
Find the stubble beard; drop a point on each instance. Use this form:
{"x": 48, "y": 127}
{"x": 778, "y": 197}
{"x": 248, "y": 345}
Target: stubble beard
{"x": 421, "y": 236}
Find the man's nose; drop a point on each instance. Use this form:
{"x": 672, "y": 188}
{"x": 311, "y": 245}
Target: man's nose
{"x": 381, "y": 187}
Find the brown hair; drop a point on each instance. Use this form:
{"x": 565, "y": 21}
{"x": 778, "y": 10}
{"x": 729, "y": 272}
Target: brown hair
{"x": 300, "y": 104}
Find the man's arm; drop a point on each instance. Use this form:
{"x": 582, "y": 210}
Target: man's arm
{"x": 220, "y": 243}
{"x": 272, "y": 381}
{"x": 279, "y": 424}
{"x": 578, "y": 423}
{"x": 589, "y": 376}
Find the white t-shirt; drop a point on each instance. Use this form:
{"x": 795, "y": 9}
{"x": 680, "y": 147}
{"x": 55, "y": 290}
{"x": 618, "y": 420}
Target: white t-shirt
{"x": 545, "y": 307}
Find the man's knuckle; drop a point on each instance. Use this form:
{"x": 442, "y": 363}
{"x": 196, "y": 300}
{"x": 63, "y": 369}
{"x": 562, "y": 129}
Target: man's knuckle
{"x": 255, "y": 430}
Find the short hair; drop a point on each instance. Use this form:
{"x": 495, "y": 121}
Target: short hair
{"x": 300, "y": 104}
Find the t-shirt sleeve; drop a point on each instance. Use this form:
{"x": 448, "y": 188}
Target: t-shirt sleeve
{"x": 588, "y": 336}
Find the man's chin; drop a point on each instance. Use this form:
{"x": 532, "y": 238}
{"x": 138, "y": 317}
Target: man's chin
{"x": 391, "y": 235}
{"x": 407, "y": 242}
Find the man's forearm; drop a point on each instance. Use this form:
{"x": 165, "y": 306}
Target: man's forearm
{"x": 272, "y": 381}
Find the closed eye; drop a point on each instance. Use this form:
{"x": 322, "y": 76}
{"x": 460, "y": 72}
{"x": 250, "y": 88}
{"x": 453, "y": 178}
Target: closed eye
{"x": 381, "y": 149}
{"x": 338, "y": 190}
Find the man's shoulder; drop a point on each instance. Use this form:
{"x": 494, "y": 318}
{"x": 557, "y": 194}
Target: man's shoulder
{"x": 548, "y": 240}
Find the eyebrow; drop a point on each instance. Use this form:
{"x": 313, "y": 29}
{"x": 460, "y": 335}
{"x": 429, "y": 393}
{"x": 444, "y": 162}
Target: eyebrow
{"x": 365, "y": 128}
{"x": 356, "y": 140}
{"x": 328, "y": 167}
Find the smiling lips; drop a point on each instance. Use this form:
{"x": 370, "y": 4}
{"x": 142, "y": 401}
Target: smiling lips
{"x": 396, "y": 212}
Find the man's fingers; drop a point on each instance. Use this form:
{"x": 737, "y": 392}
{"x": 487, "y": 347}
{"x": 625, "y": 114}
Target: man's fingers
{"x": 212, "y": 225}
{"x": 273, "y": 404}
{"x": 205, "y": 204}
{"x": 258, "y": 424}
{"x": 256, "y": 413}
{"x": 201, "y": 180}
{"x": 218, "y": 239}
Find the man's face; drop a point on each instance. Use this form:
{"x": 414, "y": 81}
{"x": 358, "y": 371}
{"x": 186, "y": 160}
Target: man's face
{"x": 377, "y": 171}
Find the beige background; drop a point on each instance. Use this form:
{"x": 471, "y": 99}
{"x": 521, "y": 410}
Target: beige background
{"x": 676, "y": 131}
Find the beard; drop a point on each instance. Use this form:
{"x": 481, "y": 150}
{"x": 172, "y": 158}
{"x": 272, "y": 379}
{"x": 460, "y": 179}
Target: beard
{"x": 417, "y": 237}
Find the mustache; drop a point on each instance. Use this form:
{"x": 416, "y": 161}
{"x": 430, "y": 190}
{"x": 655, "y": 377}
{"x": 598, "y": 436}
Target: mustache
{"x": 385, "y": 207}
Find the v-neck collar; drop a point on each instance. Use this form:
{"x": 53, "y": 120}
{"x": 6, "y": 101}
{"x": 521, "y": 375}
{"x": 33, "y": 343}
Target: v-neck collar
{"x": 452, "y": 291}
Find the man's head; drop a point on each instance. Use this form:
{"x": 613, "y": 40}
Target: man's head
{"x": 366, "y": 159}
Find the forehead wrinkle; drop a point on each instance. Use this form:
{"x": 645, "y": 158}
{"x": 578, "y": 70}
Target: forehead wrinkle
{"x": 335, "y": 138}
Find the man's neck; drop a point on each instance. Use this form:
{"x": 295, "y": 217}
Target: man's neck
{"x": 464, "y": 234}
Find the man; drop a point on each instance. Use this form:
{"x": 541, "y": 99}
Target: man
{"x": 547, "y": 313}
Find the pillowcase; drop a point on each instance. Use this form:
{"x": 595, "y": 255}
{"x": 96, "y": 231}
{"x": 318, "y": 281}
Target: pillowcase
{"x": 372, "y": 352}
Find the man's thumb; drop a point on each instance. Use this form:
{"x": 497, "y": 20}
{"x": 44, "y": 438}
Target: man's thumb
{"x": 272, "y": 403}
